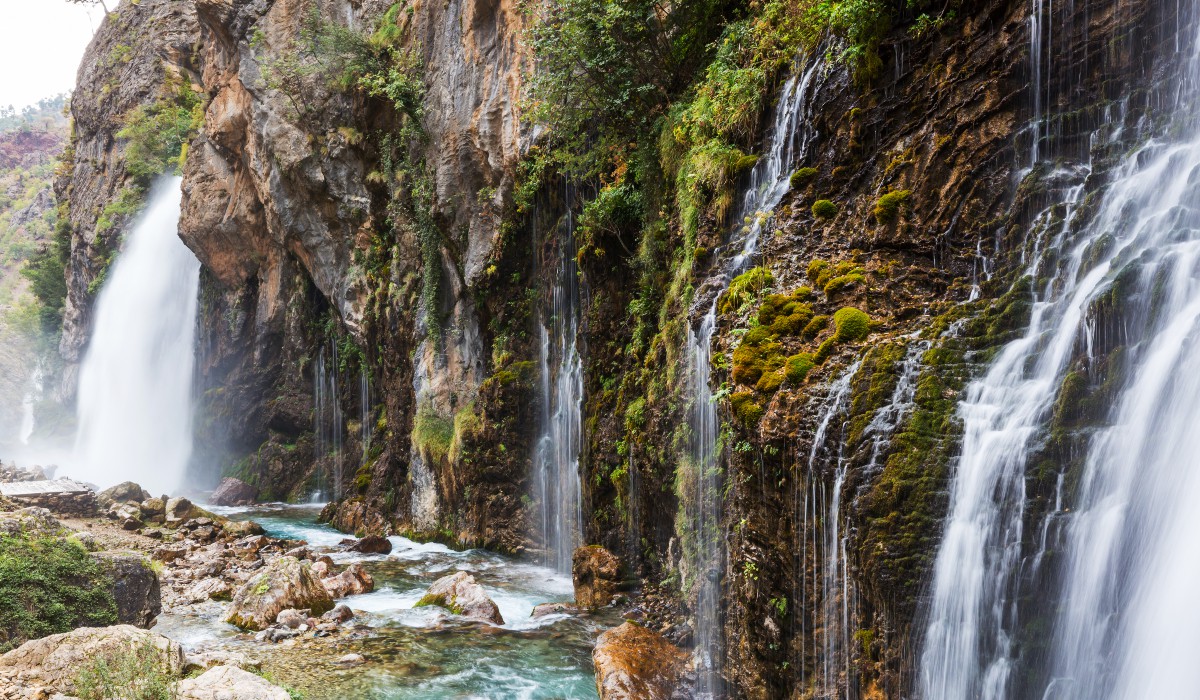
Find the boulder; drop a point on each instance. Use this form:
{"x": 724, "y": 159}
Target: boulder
{"x": 461, "y": 595}
{"x": 339, "y": 614}
{"x": 284, "y": 583}
{"x": 178, "y": 510}
{"x": 124, "y": 492}
{"x": 217, "y": 657}
{"x": 153, "y": 510}
{"x": 352, "y": 660}
{"x": 233, "y": 492}
{"x": 544, "y": 609}
{"x": 208, "y": 589}
{"x": 596, "y": 573}
{"x": 372, "y": 544}
{"x": 353, "y": 581}
{"x": 241, "y": 528}
{"x": 292, "y": 618}
{"x": 229, "y": 683}
{"x": 135, "y": 587}
{"x": 52, "y": 662}
{"x": 634, "y": 663}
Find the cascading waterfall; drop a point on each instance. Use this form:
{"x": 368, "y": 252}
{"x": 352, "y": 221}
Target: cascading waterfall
{"x": 557, "y": 488}
{"x": 135, "y": 385}
{"x": 1125, "y": 614}
{"x": 788, "y": 141}
{"x": 328, "y": 425}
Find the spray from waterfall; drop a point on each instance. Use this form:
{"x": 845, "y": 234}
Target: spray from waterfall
{"x": 135, "y": 385}
{"x": 557, "y": 487}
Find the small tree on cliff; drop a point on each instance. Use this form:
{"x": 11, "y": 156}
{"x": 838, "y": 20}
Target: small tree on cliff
{"x": 90, "y": 2}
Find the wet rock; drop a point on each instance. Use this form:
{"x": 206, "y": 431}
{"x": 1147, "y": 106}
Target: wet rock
{"x": 292, "y": 618}
{"x": 461, "y": 595}
{"x": 208, "y": 589}
{"x": 352, "y": 660}
{"x": 596, "y": 573}
{"x": 372, "y": 544}
{"x": 544, "y": 609}
{"x": 339, "y": 614}
{"x": 52, "y": 662}
{"x": 633, "y": 663}
{"x": 322, "y": 569}
{"x": 178, "y": 510}
{"x": 135, "y": 587}
{"x": 218, "y": 657}
{"x": 301, "y": 552}
{"x": 353, "y": 581}
{"x": 229, "y": 683}
{"x": 284, "y": 583}
{"x": 241, "y": 528}
{"x": 124, "y": 492}
{"x": 233, "y": 492}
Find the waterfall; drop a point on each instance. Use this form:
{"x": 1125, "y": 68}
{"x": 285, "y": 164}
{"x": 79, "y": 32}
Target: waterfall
{"x": 328, "y": 425}
{"x": 557, "y": 488}
{"x": 135, "y": 384}
{"x": 1125, "y": 615}
{"x": 787, "y": 142}
{"x": 28, "y": 401}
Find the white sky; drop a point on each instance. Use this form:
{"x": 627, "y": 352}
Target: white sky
{"x": 41, "y": 44}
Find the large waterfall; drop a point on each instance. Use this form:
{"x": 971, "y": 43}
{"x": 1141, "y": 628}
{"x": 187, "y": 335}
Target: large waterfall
{"x": 134, "y": 407}
{"x": 557, "y": 488}
{"x": 1116, "y": 304}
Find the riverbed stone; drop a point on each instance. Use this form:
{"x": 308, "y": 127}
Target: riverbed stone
{"x": 596, "y": 573}
{"x": 372, "y": 544}
{"x": 355, "y": 580}
{"x": 233, "y": 492}
{"x": 284, "y": 583}
{"x": 51, "y": 663}
{"x": 178, "y": 510}
{"x": 229, "y": 683}
{"x": 462, "y": 595}
{"x": 544, "y": 609}
{"x": 241, "y": 528}
{"x": 634, "y": 663}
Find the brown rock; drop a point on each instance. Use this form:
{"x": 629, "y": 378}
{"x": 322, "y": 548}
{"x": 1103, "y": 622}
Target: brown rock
{"x": 233, "y": 492}
{"x": 353, "y": 581}
{"x": 461, "y": 595}
{"x": 633, "y": 663}
{"x": 372, "y": 544}
{"x": 597, "y": 575}
{"x": 284, "y": 583}
{"x": 544, "y": 609}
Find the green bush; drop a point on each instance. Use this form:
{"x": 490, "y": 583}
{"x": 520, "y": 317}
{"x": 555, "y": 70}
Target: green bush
{"x": 887, "y": 209}
{"x": 141, "y": 673}
{"x": 50, "y": 585}
{"x": 824, "y": 209}
{"x": 156, "y": 135}
{"x": 851, "y": 324}
{"x": 802, "y": 177}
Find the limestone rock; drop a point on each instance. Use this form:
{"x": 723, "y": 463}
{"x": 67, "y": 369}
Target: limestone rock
{"x": 135, "y": 587}
{"x": 372, "y": 544}
{"x": 634, "y": 663}
{"x": 292, "y": 618}
{"x": 339, "y": 614}
{"x": 461, "y": 595}
{"x": 229, "y": 683}
{"x": 241, "y": 528}
{"x": 233, "y": 492}
{"x": 36, "y": 522}
{"x": 544, "y": 609}
{"x": 52, "y": 662}
{"x": 179, "y": 509}
{"x": 124, "y": 492}
{"x": 353, "y": 581}
{"x": 284, "y": 583}
{"x": 208, "y": 589}
{"x": 596, "y": 573}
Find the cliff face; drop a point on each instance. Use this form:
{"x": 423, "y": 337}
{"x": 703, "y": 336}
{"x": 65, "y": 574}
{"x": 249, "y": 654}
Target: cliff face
{"x": 373, "y": 277}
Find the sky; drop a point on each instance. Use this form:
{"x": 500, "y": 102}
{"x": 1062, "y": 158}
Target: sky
{"x": 41, "y": 44}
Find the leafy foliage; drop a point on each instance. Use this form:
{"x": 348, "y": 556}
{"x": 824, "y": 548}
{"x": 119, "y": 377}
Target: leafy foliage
{"x": 140, "y": 673}
{"x": 156, "y": 135}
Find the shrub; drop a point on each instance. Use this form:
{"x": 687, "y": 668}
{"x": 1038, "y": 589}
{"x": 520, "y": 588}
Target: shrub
{"x": 156, "y": 136}
{"x": 50, "y": 585}
{"x": 141, "y": 673}
{"x": 432, "y": 434}
{"x": 851, "y": 324}
{"x": 802, "y": 177}
{"x": 745, "y": 288}
{"x": 887, "y": 209}
{"x": 824, "y": 209}
{"x": 797, "y": 368}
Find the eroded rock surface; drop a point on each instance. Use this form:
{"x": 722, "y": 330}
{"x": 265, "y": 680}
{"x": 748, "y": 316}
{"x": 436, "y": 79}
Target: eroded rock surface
{"x": 51, "y": 663}
{"x": 596, "y": 574}
{"x": 229, "y": 683}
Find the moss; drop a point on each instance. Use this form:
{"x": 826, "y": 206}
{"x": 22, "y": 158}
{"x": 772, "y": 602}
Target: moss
{"x": 839, "y": 284}
{"x": 824, "y": 209}
{"x": 770, "y": 382}
{"x": 802, "y": 177}
{"x": 825, "y": 350}
{"x": 852, "y": 325}
{"x": 792, "y": 324}
{"x": 746, "y": 408}
{"x": 432, "y": 434}
{"x": 745, "y": 288}
{"x": 887, "y": 209}
{"x": 797, "y": 368}
{"x": 635, "y": 414}
{"x": 815, "y": 268}
{"x": 750, "y": 360}
{"x": 440, "y": 601}
{"x": 814, "y": 327}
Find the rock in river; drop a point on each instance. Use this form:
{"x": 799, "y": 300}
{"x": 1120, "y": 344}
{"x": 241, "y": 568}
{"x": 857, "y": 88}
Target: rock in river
{"x": 634, "y": 663}
{"x": 233, "y": 492}
{"x": 284, "y": 583}
{"x": 372, "y": 544}
{"x": 461, "y": 595}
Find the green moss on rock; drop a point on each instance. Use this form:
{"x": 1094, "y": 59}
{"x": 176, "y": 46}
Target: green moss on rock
{"x": 824, "y": 209}
{"x": 852, "y": 325}
{"x": 887, "y": 209}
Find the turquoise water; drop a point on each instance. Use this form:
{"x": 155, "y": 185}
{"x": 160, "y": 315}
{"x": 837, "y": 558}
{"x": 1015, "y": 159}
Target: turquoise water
{"x": 417, "y": 654}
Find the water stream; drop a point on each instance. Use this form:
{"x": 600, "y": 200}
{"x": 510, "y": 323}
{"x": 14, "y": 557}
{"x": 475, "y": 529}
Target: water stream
{"x": 134, "y": 406}
{"x": 416, "y": 653}
{"x": 1125, "y": 614}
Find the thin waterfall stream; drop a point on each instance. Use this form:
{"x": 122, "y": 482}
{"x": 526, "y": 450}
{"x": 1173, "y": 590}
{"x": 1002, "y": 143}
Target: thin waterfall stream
{"x": 135, "y": 385}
